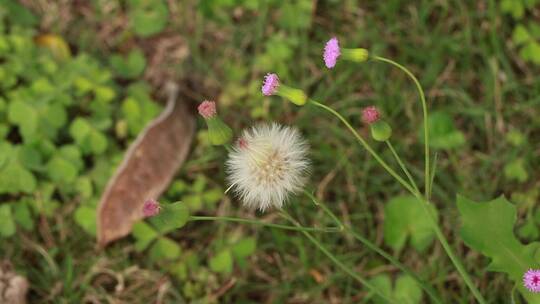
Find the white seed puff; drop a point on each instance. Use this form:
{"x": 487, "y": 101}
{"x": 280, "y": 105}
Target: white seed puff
{"x": 267, "y": 164}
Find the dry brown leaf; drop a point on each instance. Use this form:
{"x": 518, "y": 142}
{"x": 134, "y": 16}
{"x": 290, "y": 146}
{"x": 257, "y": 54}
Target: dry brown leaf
{"x": 147, "y": 169}
{"x": 13, "y": 287}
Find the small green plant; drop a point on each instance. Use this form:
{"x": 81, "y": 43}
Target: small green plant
{"x": 59, "y": 118}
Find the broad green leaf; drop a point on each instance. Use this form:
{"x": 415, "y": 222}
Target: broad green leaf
{"x": 405, "y": 291}
{"x": 61, "y": 170}
{"x": 29, "y": 157}
{"x": 14, "y": 178}
{"x": 85, "y": 216}
{"x": 384, "y": 285}
{"x": 520, "y": 34}
{"x": 171, "y": 217}
{"x": 144, "y": 234}
{"x": 245, "y": 247}
{"x": 515, "y": 170}
{"x": 404, "y": 217}
{"x": 442, "y": 131}
{"x": 7, "y": 225}
{"x": 164, "y": 248}
{"x": 25, "y": 116}
{"x": 131, "y": 66}
{"x": 222, "y": 262}
{"x": 488, "y": 227}
{"x": 79, "y": 129}
{"x": 148, "y": 17}
{"x": 22, "y": 215}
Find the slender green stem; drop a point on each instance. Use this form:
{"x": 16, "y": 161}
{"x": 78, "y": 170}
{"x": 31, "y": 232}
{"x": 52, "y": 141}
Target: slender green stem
{"x": 446, "y": 246}
{"x": 425, "y": 112}
{"x": 336, "y": 261}
{"x": 365, "y": 144}
{"x": 402, "y": 165}
{"x": 431, "y": 292}
{"x": 257, "y": 222}
{"x": 440, "y": 236}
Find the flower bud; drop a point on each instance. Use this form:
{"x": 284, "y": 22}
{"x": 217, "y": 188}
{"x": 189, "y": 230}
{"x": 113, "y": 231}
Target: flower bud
{"x": 356, "y": 55}
{"x": 218, "y": 131}
{"x": 380, "y": 130}
{"x": 296, "y": 96}
{"x": 272, "y": 86}
{"x": 151, "y": 208}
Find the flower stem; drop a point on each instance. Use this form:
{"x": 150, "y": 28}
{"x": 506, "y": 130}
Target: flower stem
{"x": 431, "y": 292}
{"x": 440, "y": 236}
{"x": 338, "y": 263}
{"x": 425, "y": 113}
{"x": 402, "y": 165}
{"x": 365, "y": 144}
{"x": 257, "y": 222}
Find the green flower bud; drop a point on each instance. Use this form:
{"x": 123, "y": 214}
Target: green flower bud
{"x": 356, "y": 55}
{"x": 296, "y": 96}
{"x": 380, "y": 130}
{"x": 218, "y": 131}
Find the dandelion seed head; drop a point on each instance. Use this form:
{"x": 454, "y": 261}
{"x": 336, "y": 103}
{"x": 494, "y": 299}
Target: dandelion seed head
{"x": 531, "y": 280}
{"x": 331, "y": 52}
{"x": 270, "y": 84}
{"x": 267, "y": 165}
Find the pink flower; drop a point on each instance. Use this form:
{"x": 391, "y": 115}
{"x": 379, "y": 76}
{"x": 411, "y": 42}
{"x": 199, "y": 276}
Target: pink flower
{"x": 207, "y": 109}
{"x": 370, "y": 115}
{"x": 331, "y": 52}
{"x": 270, "y": 84}
{"x": 151, "y": 208}
{"x": 531, "y": 280}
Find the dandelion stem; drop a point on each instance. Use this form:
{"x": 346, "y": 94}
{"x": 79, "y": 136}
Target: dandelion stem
{"x": 257, "y": 222}
{"x": 402, "y": 165}
{"x": 425, "y": 113}
{"x": 336, "y": 261}
{"x": 431, "y": 292}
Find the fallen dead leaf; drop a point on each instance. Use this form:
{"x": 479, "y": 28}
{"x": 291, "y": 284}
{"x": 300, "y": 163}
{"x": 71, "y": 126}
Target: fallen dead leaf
{"x": 147, "y": 169}
{"x": 13, "y": 287}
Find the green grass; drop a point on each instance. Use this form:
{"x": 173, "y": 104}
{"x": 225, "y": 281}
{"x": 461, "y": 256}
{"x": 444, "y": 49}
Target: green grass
{"x": 459, "y": 50}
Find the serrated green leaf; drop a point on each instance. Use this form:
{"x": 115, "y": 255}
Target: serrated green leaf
{"x": 488, "y": 227}
{"x": 404, "y": 217}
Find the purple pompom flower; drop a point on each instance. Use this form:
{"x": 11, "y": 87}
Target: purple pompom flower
{"x": 270, "y": 84}
{"x": 331, "y": 52}
{"x": 531, "y": 280}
